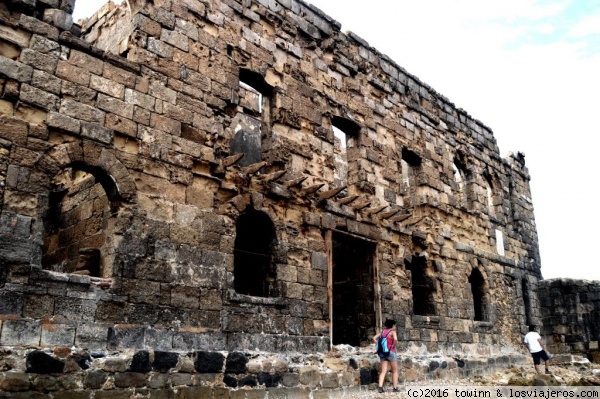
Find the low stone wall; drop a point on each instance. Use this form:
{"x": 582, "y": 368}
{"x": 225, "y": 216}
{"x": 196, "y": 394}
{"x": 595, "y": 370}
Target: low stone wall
{"x": 64, "y": 373}
{"x": 571, "y": 313}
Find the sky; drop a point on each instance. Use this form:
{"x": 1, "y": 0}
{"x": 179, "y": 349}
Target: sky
{"x": 527, "y": 69}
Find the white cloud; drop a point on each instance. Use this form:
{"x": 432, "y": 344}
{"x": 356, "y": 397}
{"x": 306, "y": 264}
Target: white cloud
{"x": 590, "y": 25}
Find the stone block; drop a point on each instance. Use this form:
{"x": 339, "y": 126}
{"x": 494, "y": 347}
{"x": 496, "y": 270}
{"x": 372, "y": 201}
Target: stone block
{"x": 37, "y": 26}
{"x": 21, "y": 333}
{"x": 140, "y": 362}
{"x": 40, "y": 362}
{"x": 236, "y": 363}
{"x": 46, "y": 82}
{"x": 76, "y": 309}
{"x": 86, "y": 62}
{"x": 57, "y": 335}
{"x": 130, "y": 380}
{"x": 11, "y": 303}
{"x": 310, "y": 376}
{"x": 37, "y": 97}
{"x": 72, "y": 73}
{"x": 197, "y": 393}
{"x": 58, "y": 18}
{"x": 121, "y": 124}
{"x": 175, "y": 38}
{"x": 122, "y": 337}
{"x": 119, "y": 75}
{"x": 40, "y": 61}
{"x": 184, "y": 340}
{"x": 164, "y": 361}
{"x": 181, "y": 379}
{"x": 319, "y": 261}
{"x": 97, "y": 133}
{"x": 140, "y": 99}
{"x": 63, "y": 122}
{"x": 209, "y": 362}
{"x": 106, "y": 86}
{"x": 159, "y": 339}
{"x": 78, "y": 93}
{"x": 14, "y": 381}
{"x": 77, "y": 110}
{"x": 91, "y": 337}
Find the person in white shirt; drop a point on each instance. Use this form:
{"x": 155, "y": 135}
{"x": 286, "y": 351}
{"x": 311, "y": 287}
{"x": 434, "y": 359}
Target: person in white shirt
{"x": 534, "y": 343}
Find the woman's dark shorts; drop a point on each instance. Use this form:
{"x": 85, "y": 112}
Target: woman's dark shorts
{"x": 538, "y": 356}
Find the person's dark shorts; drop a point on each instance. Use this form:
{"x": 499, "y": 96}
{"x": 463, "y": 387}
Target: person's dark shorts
{"x": 539, "y": 356}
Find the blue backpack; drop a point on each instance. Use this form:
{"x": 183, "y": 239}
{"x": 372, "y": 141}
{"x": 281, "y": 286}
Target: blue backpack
{"x": 381, "y": 346}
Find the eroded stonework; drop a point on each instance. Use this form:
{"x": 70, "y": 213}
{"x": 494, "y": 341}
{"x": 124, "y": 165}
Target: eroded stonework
{"x": 197, "y": 179}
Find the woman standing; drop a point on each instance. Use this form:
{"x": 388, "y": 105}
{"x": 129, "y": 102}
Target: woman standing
{"x": 389, "y": 333}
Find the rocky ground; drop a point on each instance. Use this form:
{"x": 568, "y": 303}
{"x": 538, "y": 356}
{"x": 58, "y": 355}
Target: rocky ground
{"x": 566, "y": 371}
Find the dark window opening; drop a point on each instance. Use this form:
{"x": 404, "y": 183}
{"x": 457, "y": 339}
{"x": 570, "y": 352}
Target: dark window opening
{"x": 77, "y": 237}
{"x": 423, "y": 287}
{"x": 478, "y": 290}
{"x": 253, "y": 117}
{"x": 346, "y": 133}
{"x": 353, "y": 318}
{"x": 410, "y": 164}
{"x": 526, "y": 301}
{"x": 348, "y": 126}
{"x": 253, "y": 269}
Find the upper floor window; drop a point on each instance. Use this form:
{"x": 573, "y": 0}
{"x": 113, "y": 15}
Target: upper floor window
{"x": 410, "y": 164}
{"x": 253, "y": 118}
{"x": 489, "y": 191}
{"x": 254, "y": 272}
{"x": 461, "y": 177}
{"x": 345, "y": 133}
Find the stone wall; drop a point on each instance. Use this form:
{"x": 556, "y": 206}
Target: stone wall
{"x": 253, "y": 180}
{"x": 571, "y": 315}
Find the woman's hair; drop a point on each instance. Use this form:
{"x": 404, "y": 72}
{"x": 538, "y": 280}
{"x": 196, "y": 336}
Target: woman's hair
{"x": 389, "y": 323}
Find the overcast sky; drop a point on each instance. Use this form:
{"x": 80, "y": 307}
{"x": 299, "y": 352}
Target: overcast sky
{"x": 527, "y": 69}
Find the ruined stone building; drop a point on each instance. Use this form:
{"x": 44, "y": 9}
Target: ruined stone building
{"x": 203, "y": 180}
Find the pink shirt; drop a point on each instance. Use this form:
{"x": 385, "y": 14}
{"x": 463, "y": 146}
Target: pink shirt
{"x": 387, "y": 333}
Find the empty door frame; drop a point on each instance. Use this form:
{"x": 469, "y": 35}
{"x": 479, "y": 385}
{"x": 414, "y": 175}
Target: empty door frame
{"x": 376, "y": 287}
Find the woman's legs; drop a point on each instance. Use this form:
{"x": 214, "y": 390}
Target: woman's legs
{"x": 382, "y": 373}
{"x": 394, "y": 367}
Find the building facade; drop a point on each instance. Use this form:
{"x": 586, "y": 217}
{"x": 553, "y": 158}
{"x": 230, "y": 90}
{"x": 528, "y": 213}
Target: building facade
{"x": 229, "y": 176}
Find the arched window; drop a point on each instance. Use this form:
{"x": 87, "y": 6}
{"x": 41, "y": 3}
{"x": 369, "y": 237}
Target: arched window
{"x": 478, "y": 290}
{"x": 77, "y": 233}
{"x": 462, "y": 177}
{"x": 253, "y": 270}
{"x": 489, "y": 187}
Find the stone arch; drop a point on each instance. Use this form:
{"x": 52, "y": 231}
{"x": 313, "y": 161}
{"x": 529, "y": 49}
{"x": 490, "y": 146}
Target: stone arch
{"x": 67, "y": 154}
{"x": 86, "y": 191}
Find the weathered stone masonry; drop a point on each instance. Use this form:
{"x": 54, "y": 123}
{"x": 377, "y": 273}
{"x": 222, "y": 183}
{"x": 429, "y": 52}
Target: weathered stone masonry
{"x": 190, "y": 185}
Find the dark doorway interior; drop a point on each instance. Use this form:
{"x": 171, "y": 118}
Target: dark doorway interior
{"x": 353, "y": 291}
